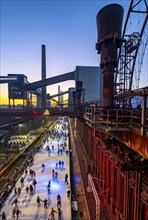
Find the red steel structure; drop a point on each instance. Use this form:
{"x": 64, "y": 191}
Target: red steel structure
{"x": 124, "y": 181}
{"x": 115, "y": 135}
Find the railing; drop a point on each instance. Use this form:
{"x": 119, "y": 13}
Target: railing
{"x": 117, "y": 118}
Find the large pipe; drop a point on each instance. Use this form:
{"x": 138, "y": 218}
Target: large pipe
{"x": 59, "y": 98}
{"x": 109, "y": 25}
{"x": 78, "y": 92}
{"x": 43, "y": 76}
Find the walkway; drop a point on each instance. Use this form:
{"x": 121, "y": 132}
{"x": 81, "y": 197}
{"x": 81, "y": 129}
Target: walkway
{"x": 28, "y": 203}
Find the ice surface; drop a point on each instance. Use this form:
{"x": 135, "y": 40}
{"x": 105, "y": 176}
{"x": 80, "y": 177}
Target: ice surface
{"x": 27, "y": 203}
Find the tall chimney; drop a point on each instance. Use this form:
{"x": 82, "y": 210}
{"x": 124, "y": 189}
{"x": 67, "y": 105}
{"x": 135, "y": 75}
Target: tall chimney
{"x": 44, "y": 98}
{"x": 109, "y": 25}
{"x": 59, "y": 97}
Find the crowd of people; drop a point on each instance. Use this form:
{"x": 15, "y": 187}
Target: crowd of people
{"x": 28, "y": 178}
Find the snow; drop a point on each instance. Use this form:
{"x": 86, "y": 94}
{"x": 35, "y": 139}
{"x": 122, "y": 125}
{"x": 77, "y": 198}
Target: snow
{"x": 27, "y": 203}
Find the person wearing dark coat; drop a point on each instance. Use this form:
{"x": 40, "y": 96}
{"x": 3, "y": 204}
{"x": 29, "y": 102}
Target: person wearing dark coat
{"x": 3, "y": 215}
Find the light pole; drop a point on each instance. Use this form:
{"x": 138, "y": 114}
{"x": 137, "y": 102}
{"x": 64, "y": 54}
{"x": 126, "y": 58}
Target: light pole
{"x": 20, "y": 126}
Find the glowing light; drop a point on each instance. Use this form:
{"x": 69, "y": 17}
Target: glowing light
{"x": 77, "y": 179}
{"x": 46, "y": 112}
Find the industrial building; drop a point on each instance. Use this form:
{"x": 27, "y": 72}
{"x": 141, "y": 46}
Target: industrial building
{"x": 107, "y": 134}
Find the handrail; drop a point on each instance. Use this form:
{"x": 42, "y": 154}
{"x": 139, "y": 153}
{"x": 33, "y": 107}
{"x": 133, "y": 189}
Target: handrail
{"x": 116, "y": 117}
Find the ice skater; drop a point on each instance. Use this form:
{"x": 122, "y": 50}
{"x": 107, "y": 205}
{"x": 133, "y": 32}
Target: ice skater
{"x": 43, "y": 167}
{"x": 48, "y": 186}
{"x": 53, "y": 174}
{"x": 38, "y": 200}
{"x": 56, "y": 175}
{"x": 52, "y": 214}
{"x": 66, "y": 178}
{"x": 34, "y": 183}
{"x": 3, "y": 215}
{"x": 59, "y": 214}
{"x": 17, "y": 213}
{"x": 45, "y": 203}
{"x": 13, "y": 212}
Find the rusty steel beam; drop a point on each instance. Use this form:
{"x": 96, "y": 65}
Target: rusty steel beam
{"x": 50, "y": 81}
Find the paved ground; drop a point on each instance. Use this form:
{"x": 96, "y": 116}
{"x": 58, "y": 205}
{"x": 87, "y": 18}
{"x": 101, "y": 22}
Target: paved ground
{"x": 27, "y": 203}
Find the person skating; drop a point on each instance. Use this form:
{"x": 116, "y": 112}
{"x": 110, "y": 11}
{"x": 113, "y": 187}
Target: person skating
{"x": 58, "y": 203}
{"x": 59, "y": 214}
{"x": 17, "y": 213}
{"x": 15, "y": 202}
{"x": 22, "y": 181}
{"x": 66, "y": 178}
{"x": 68, "y": 193}
{"x": 52, "y": 214}
{"x": 53, "y": 173}
{"x": 45, "y": 203}
{"x": 13, "y": 212}
{"x": 62, "y": 163}
{"x": 56, "y": 165}
{"x": 48, "y": 186}
{"x": 58, "y": 200}
{"x": 34, "y": 183}
{"x": 3, "y": 215}
{"x": 38, "y": 200}
{"x": 27, "y": 189}
{"x": 19, "y": 191}
{"x": 58, "y": 197}
{"x": 15, "y": 190}
{"x": 43, "y": 167}
{"x": 31, "y": 189}
{"x": 26, "y": 172}
{"x": 56, "y": 175}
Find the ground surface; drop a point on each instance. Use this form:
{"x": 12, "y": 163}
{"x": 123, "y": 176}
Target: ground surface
{"x": 27, "y": 203}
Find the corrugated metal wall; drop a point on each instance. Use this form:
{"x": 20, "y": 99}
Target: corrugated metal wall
{"x": 124, "y": 192}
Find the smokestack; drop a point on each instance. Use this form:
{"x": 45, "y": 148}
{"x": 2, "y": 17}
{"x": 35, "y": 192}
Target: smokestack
{"x": 109, "y": 25}
{"x": 44, "y": 98}
{"x": 59, "y": 97}
{"x": 78, "y": 91}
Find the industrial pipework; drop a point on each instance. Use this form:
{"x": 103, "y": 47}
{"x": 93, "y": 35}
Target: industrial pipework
{"x": 44, "y": 98}
{"x": 109, "y": 25}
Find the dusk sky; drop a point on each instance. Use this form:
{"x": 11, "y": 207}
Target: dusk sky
{"x": 67, "y": 28}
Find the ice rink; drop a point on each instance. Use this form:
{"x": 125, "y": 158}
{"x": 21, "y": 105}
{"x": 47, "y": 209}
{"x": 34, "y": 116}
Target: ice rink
{"x": 27, "y": 203}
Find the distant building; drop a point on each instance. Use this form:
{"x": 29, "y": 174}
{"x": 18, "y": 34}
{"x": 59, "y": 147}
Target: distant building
{"x": 16, "y": 89}
{"x": 70, "y": 96}
{"x": 91, "y": 78}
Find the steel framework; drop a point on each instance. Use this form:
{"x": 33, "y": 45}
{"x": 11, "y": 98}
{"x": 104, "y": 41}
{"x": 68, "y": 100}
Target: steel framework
{"x": 134, "y": 42}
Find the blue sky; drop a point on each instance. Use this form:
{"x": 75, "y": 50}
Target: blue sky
{"x": 67, "y": 28}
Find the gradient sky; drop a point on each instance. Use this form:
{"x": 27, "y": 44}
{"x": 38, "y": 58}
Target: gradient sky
{"x": 67, "y": 28}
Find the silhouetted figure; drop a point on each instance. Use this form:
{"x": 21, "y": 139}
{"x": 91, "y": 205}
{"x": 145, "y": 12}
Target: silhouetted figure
{"x": 19, "y": 191}
{"x": 52, "y": 214}
{"x": 31, "y": 189}
{"x": 59, "y": 214}
{"x": 17, "y": 213}
{"x": 53, "y": 173}
{"x": 66, "y": 178}
{"x": 3, "y": 215}
{"x": 34, "y": 183}
{"x": 13, "y": 213}
{"x": 68, "y": 193}
{"x": 27, "y": 189}
{"x": 45, "y": 203}
{"x": 38, "y": 201}
{"x": 43, "y": 167}
{"x": 56, "y": 175}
